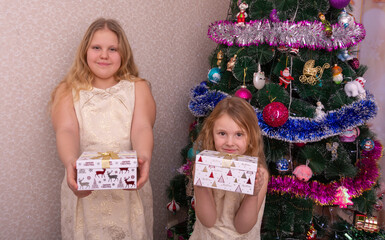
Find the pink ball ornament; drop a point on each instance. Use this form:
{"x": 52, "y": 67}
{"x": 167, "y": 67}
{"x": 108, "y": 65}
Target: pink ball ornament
{"x": 275, "y": 114}
{"x": 350, "y": 135}
{"x": 303, "y": 173}
{"x": 244, "y": 93}
{"x": 339, "y": 3}
{"x": 378, "y": 205}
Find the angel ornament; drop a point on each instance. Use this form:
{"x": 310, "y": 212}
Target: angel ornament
{"x": 311, "y": 74}
{"x": 319, "y": 113}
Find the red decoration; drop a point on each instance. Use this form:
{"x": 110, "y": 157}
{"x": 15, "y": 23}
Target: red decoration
{"x": 173, "y": 206}
{"x": 275, "y": 114}
{"x": 193, "y": 203}
{"x": 312, "y": 233}
{"x": 300, "y": 144}
{"x": 354, "y": 63}
{"x": 242, "y": 15}
{"x": 285, "y": 77}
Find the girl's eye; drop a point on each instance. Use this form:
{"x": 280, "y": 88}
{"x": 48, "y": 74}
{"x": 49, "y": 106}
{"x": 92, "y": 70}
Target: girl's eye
{"x": 222, "y": 133}
{"x": 113, "y": 49}
{"x": 239, "y": 134}
{"x": 96, "y": 47}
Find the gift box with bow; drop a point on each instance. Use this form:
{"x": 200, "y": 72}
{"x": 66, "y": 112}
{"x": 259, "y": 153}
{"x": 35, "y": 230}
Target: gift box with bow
{"x": 107, "y": 170}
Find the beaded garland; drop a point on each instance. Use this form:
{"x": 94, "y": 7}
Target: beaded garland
{"x": 303, "y": 34}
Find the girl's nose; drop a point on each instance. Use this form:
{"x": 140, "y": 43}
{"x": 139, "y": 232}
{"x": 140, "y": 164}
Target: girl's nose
{"x": 229, "y": 141}
{"x": 104, "y": 54}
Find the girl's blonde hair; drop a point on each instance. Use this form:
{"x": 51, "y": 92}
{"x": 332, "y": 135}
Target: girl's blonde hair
{"x": 244, "y": 115}
{"x": 80, "y": 76}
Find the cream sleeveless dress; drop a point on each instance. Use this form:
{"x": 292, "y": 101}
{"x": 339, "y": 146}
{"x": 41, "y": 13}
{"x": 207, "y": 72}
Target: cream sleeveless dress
{"x": 105, "y": 118}
{"x": 227, "y": 204}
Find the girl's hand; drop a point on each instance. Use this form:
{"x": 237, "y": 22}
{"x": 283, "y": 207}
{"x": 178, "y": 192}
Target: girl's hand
{"x": 71, "y": 181}
{"x": 143, "y": 172}
{"x": 259, "y": 180}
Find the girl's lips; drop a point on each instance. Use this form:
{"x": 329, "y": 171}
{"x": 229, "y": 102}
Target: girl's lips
{"x": 229, "y": 150}
{"x": 103, "y": 64}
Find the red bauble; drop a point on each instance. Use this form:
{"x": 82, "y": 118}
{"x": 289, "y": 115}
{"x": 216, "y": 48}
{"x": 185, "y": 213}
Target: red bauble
{"x": 339, "y": 3}
{"x": 275, "y": 114}
{"x": 354, "y": 63}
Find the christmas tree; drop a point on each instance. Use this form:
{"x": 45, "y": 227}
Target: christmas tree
{"x": 293, "y": 60}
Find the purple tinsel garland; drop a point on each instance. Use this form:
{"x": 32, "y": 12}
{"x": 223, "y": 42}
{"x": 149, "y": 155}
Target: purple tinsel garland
{"x": 303, "y": 34}
{"x": 324, "y": 194}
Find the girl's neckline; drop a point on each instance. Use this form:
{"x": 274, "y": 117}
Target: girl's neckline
{"x": 107, "y": 89}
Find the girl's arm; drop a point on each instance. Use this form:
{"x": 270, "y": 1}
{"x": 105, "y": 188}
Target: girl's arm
{"x": 66, "y": 128}
{"x": 205, "y": 208}
{"x": 247, "y": 214}
{"x": 143, "y": 121}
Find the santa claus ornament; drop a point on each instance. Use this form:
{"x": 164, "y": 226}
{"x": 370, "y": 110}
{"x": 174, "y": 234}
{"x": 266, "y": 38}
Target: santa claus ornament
{"x": 285, "y": 77}
{"x": 242, "y": 15}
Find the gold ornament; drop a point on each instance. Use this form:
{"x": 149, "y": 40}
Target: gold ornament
{"x": 219, "y": 57}
{"x": 310, "y": 72}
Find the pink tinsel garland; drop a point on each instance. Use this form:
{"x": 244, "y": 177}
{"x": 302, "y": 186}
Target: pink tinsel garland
{"x": 324, "y": 194}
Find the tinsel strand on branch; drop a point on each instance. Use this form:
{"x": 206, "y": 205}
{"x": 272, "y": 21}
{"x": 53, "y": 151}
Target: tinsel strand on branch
{"x": 324, "y": 194}
{"x": 303, "y": 34}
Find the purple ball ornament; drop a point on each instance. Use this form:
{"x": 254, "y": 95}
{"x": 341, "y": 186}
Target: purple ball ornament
{"x": 244, "y": 93}
{"x": 274, "y": 16}
{"x": 339, "y": 3}
{"x": 354, "y": 63}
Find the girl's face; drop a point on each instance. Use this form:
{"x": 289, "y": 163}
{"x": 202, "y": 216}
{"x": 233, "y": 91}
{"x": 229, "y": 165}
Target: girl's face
{"x": 103, "y": 57}
{"x": 228, "y": 136}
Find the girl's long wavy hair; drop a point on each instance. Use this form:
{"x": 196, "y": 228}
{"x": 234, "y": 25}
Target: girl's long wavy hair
{"x": 244, "y": 115}
{"x": 80, "y": 76}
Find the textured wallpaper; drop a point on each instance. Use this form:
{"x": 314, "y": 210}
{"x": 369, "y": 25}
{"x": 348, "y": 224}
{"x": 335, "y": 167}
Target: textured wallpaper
{"x": 38, "y": 40}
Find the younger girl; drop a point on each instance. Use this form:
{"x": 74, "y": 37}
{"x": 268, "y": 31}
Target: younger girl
{"x": 102, "y": 105}
{"x": 232, "y": 127}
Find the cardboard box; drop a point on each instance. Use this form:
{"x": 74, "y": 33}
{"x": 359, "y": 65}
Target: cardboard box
{"x": 107, "y": 170}
{"x": 228, "y": 172}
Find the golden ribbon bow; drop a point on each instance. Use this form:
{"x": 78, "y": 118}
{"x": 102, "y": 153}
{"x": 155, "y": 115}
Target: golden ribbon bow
{"x": 106, "y": 156}
{"x": 227, "y": 159}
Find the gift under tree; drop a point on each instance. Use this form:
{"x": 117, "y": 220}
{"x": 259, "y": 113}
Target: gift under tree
{"x": 294, "y": 61}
